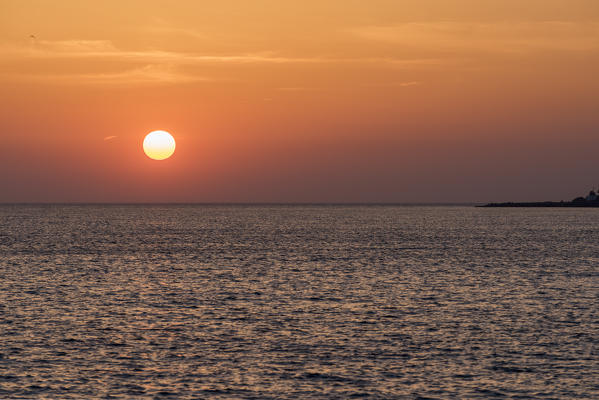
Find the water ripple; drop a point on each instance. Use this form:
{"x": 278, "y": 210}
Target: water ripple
{"x": 298, "y": 302}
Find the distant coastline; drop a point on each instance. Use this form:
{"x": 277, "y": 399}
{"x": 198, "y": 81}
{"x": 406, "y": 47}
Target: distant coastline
{"x": 543, "y": 204}
{"x": 591, "y": 200}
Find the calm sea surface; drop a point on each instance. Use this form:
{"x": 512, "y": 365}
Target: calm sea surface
{"x": 298, "y": 302}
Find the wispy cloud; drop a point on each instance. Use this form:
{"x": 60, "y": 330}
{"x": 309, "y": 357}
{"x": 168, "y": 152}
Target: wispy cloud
{"x": 405, "y": 84}
{"x": 161, "y": 27}
{"x": 370, "y": 84}
{"x": 153, "y": 66}
{"x": 147, "y": 74}
{"x": 104, "y": 49}
{"x": 174, "y": 31}
{"x": 109, "y": 137}
{"x": 297, "y": 89}
{"x": 49, "y": 47}
{"x": 395, "y": 84}
{"x": 491, "y": 37}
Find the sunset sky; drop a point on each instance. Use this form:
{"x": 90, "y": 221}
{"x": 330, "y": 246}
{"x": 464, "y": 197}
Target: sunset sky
{"x": 299, "y": 101}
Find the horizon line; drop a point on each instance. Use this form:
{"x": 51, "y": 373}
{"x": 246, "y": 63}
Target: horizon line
{"x": 75, "y": 203}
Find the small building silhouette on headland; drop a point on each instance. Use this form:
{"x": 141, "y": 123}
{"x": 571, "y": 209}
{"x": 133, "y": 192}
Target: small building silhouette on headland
{"x": 592, "y": 196}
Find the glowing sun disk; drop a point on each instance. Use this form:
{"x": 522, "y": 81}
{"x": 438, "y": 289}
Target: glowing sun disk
{"x": 159, "y": 145}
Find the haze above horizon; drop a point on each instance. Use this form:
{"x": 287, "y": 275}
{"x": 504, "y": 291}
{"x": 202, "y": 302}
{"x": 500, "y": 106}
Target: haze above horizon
{"x": 433, "y": 101}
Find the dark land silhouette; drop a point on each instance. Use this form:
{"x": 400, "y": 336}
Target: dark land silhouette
{"x": 591, "y": 200}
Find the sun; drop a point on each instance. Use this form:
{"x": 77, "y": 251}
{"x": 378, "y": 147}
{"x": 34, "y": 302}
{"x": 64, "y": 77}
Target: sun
{"x": 159, "y": 145}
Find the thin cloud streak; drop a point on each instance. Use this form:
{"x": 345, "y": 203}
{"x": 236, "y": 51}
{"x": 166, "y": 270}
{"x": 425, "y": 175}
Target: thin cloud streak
{"x": 395, "y": 84}
{"x": 297, "y": 89}
{"x": 105, "y": 49}
{"x": 148, "y": 74}
{"x": 166, "y": 67}
{"x": 506, "y": 37}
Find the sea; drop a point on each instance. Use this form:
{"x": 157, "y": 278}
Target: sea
{"x": 298, "y": 302}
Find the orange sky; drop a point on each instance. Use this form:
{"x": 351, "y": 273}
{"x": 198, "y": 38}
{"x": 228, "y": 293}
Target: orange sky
{"x": 312, "y": 101}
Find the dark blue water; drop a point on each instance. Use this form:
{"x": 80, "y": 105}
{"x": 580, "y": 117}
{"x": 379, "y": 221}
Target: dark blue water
{"x": 298, "y": 302}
